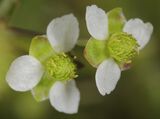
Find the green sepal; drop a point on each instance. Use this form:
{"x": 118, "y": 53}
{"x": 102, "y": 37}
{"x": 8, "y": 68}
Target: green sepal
{"x": 116, "y": 20}
{"x": 41, "y": 91}
{"x": 41, "y": 49}
{"x": 96, "y": 51}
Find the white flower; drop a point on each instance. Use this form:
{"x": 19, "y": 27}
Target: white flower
{"x": 26, "y": 71}
{"x": 108, "y": 72}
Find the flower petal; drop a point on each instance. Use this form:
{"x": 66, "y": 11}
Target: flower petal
{"x": 63, "y": 33}
{"x": 107, "y": 76}
{"x": 24, "y": 73}
{"x": 140, "y": 30}
{"x": 97, "y": 22}
{"x": 65, "y": 97}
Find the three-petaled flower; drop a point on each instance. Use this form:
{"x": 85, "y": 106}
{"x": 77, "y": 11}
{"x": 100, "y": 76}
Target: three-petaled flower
{"x": 48, "y": 71}
{"x": 113, "y": 45}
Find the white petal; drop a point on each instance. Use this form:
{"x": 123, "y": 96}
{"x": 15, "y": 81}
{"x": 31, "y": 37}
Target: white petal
{"x": 65, "y": 97}
{"x": 63, "y": 33}
{"x": 107, "y": 76}
{"x": 24, "y": 73}
{"x": 97, "y": 22}
{"x": 140, "y": 30}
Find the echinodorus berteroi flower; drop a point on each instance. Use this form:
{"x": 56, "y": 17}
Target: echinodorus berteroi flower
{"x": 113, "y": 45}
{"x": 49, "y": 71}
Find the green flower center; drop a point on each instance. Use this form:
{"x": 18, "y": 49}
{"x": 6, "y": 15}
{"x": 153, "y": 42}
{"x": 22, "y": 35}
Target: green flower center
{"x": 61, "y": 67}
{"x": 122, "y": 47}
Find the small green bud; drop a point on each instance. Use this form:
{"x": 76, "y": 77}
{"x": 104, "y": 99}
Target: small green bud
{"x": 122, "y": 47}
{"x": 61, "y": 67}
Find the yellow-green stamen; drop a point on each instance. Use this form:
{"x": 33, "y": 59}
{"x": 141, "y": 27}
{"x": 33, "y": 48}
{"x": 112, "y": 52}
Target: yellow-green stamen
{"x": 122, "y": 47}
{"x": 61, "y": 67}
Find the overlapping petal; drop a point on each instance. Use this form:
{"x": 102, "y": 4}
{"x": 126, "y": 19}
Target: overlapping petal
{"x": 140, "y": 30}
{"x": 63, "y": 33}
{"x": 107, "y": 76}
{"x": 65, "y": 97}
{"x": 97, "y": 22}
{"x": 24, "y": 73}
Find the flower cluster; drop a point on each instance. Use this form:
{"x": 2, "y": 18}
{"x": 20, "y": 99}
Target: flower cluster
{"x": 49, "y": 70}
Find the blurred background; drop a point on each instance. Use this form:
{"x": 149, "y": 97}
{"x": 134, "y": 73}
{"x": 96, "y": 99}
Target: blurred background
{"x": 137, "y": 95}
